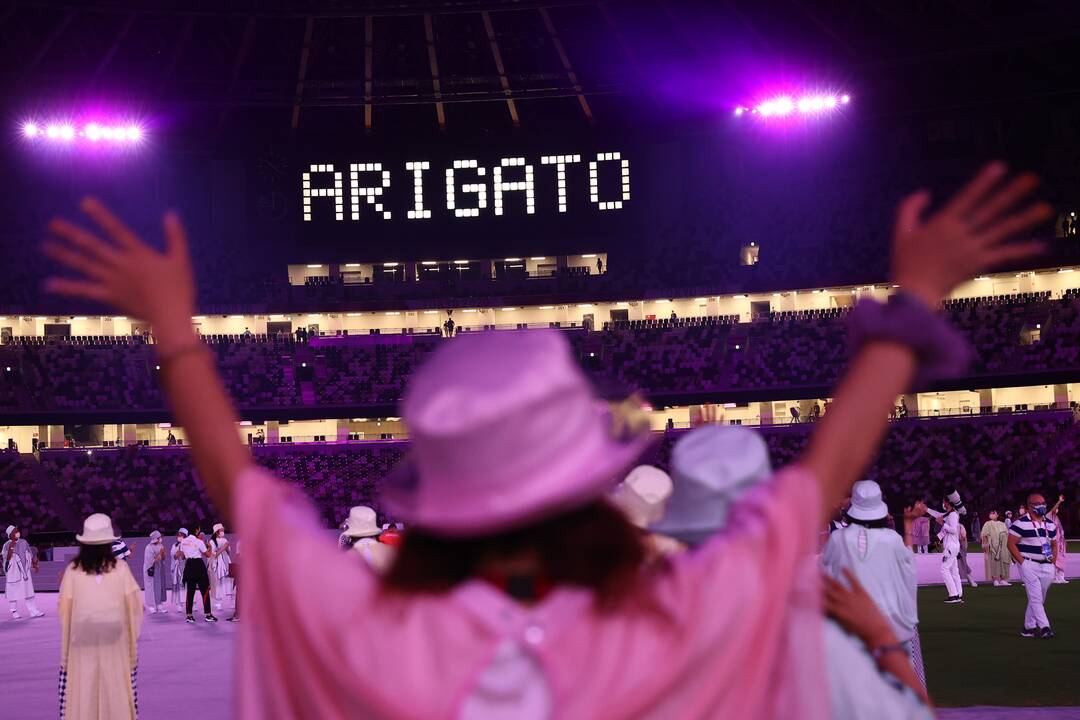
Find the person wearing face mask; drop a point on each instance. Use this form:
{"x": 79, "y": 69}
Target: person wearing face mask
{"x": 994, "y": 537}
{"x": 1032, "y": 545}
{"x": 950, "y": 541}
{"x": 154, "y": 574}
{"x": 176, "y": 555}
{"x": 221, "y": 585}
{"x": 18, "y": 562}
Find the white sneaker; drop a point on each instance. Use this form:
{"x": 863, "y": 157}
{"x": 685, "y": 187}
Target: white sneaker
{"x": 37, "y": 614}
{"x": 163, "y": 609}
{"x": 974, "y": 584}
{"x": 151, "y": 610}
{"x": 15, "y": 615}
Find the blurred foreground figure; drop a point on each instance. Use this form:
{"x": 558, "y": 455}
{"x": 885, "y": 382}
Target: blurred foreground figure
{"x": 519, "y": 591}
{"x": 713, "y": 469}
{"x": 101, "y": 614}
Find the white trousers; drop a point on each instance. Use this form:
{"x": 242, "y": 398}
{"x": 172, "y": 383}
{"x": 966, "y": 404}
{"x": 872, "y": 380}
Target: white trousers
{"x": 1037, "y": 578}
{"x": 949, "y": 570}
{"x": 22, "y": 590}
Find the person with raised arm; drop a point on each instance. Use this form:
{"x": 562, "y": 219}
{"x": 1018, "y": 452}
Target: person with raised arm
{"x": 518, "y": 590}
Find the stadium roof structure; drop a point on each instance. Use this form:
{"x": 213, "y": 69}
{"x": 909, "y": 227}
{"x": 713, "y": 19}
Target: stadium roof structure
{"x": 217, "y": 68}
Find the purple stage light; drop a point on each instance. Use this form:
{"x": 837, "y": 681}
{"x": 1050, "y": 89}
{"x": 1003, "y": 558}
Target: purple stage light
{"x": 785, "y": 105}
{"x": 90, "y": 132}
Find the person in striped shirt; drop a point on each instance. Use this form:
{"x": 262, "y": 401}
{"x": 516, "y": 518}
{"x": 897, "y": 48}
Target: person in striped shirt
{"x": 1031, "y": 543}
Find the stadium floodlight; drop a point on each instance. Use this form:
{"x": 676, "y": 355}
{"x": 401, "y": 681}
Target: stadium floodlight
{"x": 781, "y": 106}
{"x": 93, "y": 132}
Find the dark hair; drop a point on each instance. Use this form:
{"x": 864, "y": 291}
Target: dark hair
{"x": 879, "y": 523}
{"x": 594, "y": 547}
{"x": 95, "y": 559}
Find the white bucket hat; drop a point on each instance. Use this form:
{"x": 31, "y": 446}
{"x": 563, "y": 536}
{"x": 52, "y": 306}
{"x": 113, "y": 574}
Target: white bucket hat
{"x": 866, "y": 501}
{"x": 218, "y": 526}
{"x": 154, "y": 536}
{"x": 10, "y": 529}
{"x": 712, "y": 466}
{"x": 362, "y": 522}
{"x": 97, "y": 530}
{"x": 183, "y": 531}
{"x": 643, "y": 495}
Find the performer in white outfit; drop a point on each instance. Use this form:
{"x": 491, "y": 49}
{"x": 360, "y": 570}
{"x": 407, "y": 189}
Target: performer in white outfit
{"x": 883, "y": 565}
{"x": 221, "y": 585}
{"x": 360, "y": 536}
{"x": 176, "y": 557}
{"x": 1031, "y": 543}
{"x": 154, "y": 579}
{"x": 950, "y": 541}
{"x": 18, "y": 562}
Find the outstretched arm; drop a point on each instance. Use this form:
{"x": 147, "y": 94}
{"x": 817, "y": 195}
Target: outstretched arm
{"x": 931, "y": 256}
{"x": 122, "y": 271}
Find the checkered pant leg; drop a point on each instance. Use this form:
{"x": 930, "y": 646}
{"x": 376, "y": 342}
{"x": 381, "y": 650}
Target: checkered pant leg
{"x": 916, "y": 658}
{"x": 135, "y": 690}
{"x": 63, "y": 692}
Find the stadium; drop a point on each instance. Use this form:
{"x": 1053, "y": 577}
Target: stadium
{"x": 471, "y": 265}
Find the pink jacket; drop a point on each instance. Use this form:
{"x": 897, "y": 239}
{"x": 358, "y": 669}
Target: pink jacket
{"x": 730, "y": 630}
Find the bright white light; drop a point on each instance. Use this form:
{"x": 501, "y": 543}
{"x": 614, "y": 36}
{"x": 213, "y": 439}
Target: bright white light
{"x": 845, "y": 99}
{"x": 830, "y": 102}
{"x": 53, "y": 131}
{"x": 67, "y": 132}
{"x": 92, "y": 132}
{"x": 739, "y": 111}
{"x": 134, "y": 133}
{"x": 30, "y": 129}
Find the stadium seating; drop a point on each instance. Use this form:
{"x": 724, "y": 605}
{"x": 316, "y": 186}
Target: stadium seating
{"x": 1029, "y": 332}
{"x": 1004, "y": 457}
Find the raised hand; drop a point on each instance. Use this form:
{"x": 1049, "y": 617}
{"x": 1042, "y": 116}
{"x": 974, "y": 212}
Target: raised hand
{"x": 933, "y": 255}
{"x": 121, "y": 270}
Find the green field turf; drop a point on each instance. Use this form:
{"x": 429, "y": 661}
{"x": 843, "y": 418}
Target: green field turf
{"x": 974, "y": 654}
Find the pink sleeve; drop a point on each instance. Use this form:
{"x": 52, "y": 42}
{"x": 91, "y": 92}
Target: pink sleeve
{"x": 752, "y": 596}
{"x": 298, "y": 593}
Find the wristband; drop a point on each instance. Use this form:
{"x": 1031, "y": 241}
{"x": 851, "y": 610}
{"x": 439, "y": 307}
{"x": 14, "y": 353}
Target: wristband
{"x": 941, "y": 351}
{"x": 177, "y": 353}
{"x": 883, "y": 650}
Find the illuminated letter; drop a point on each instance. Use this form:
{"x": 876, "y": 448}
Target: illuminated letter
{"x": 480, "y": 189}
{"x": 594, "y": 181}
{"x": 560, "y": 162}
{"x": 499, "y": 187}
{"x": 371, "y": 193}
{"x": 335, "y": 192}
{"x": 418, "y": 212}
